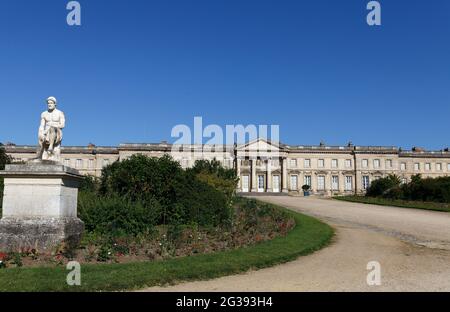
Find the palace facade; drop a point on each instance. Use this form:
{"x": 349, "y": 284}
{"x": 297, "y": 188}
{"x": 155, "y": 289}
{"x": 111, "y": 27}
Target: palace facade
{"x": 277, "y": 168}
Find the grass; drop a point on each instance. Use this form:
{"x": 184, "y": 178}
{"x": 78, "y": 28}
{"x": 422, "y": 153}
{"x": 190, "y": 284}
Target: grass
{"x": 396, "y": 202}
{"x": 307, "y": 236}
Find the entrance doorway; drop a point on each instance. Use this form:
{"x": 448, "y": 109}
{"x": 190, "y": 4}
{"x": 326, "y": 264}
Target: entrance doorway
{"x": 245, "y": 183}
{"x": 260, "y": 183}
{"x": 276, "y": 183}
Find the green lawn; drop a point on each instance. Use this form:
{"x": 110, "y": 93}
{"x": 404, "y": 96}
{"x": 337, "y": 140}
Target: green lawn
{"x": 308, "y": 235}
{"x": 396, "y": 202}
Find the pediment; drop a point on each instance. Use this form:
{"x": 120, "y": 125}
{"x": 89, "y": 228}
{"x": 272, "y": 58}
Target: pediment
{"x": 259, "y": 145}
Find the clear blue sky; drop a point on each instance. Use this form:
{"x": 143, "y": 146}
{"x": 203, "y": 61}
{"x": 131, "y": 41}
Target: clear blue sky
{"x": 135, "y": 69}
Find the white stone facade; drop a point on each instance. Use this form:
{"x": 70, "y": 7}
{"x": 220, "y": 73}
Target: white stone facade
{"x": 265, "y": 167}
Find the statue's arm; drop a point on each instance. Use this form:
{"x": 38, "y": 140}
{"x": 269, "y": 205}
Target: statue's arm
{"x": 42, "y": 125}
{"x": 62, "y": 121}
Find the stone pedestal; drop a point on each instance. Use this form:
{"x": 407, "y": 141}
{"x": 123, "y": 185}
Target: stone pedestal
{"x": 39, "y": 206}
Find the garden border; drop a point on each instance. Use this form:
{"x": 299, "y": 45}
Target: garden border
{"x": 395, "y": 203}
{"x": 308, "y": 235}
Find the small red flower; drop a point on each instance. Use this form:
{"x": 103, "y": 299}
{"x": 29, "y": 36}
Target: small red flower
{"x": 3, "y": 256}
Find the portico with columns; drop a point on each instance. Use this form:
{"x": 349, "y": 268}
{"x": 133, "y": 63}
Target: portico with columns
{"x": 261, "y": 167}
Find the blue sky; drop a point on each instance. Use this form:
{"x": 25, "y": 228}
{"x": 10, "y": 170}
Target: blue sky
{"x": 135, "y": 69}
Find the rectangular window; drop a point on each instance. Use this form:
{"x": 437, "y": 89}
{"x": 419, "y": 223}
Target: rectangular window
{"x": 427, "y": 166}
{"x": 365, "y": 182}
{"x": 365, "y": 163}
{"x": 439, "y": 167}
{"x": 403, "y": 166}
{"x": 321, "y": 183}
{"x": 448, "y": 167}
{"x": 293, "y": 163}
{"x": 308, "y": 180}
{"x": 67, "y": 162}
{"x": 91, "y": 164}
{"x": 321, "y": 163}
{"x": 294, "y": 183}
{"x": 389, "y": 163}
{"x": 348, "y": 183}
{"x": 105, "y": 162}
{"x": 335, "y": 183}
{"x": 416, "y": 166}
{"x": 376, "y": 163}
{"x": 307, "y": 163}
{"x": 348, "y": 163}
{"x": 334, "y": 163}
{"x": 79, "y": 163}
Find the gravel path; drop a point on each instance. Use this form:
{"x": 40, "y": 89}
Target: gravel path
{"x": 412, "y": 247}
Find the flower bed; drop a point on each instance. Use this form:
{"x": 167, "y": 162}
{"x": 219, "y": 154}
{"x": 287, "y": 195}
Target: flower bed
{"x": 252, "y": 223}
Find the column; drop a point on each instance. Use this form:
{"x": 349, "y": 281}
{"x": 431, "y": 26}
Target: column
{"x": 284, "y": 178}
{"x": 313, "y": 182}
{"x": 341, "y": 182}
{"x": 269, "y": 175}
{"x": 254, "y": 182}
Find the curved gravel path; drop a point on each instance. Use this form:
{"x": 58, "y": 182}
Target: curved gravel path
{"x": 412, "y": 247}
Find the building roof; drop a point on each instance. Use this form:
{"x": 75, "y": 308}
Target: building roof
{"x": 167, "y": 147}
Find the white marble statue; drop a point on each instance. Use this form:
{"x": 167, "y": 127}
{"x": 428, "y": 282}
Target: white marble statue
{"x": 50, "y": 132}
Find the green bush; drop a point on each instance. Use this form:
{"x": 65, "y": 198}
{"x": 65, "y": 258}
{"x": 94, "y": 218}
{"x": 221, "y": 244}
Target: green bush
{"x": 89, "y": 184}
{"x": 419, "y": 189}
{"x": 429, "y": 189}
{"x": 140, "y": 192}
{"x": 115, "y": 215}
{"x": 381, "y": 186}
{"x": 4, "y": 159}
{"x": 212, "y": 173}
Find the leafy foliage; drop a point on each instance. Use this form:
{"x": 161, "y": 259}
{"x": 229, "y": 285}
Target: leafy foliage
{"x": 419, "y": 189}
{"x": 381, "y": 186}
{"x": 138, "y": 193}
{"x": 89, "y": 184}
{"x": 212, "y": 173}
{"x": 114, "y": 215}
{"x": 4, "y": 159}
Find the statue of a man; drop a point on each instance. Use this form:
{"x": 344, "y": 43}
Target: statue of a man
{"x": 50, "y": 134}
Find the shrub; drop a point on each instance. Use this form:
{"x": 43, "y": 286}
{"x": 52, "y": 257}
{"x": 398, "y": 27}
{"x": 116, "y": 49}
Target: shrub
{"x": 4, "y": 159}
{"x": 419, "y": 189}
{"x": 115, "y": 215}
{"x": 429, "y": 189}
{"x": 89, "y": 184}
{"x": 380, "y": 186}
{"x": 178, "y": 195}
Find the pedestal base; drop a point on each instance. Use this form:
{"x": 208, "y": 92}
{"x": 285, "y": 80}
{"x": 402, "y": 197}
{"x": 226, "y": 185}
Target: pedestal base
{"x": 39, "y": 206}
{"x": 39, "y": 233}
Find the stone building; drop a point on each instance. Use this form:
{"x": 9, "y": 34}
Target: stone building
{"x": 266, "y": 167}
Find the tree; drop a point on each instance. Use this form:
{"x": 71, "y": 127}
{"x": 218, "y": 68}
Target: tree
{"x": 4, "y": 159}
{"x": 381, "y": 186}
{"x": 213, "y": 173}
{"x": 184, "y": 197}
